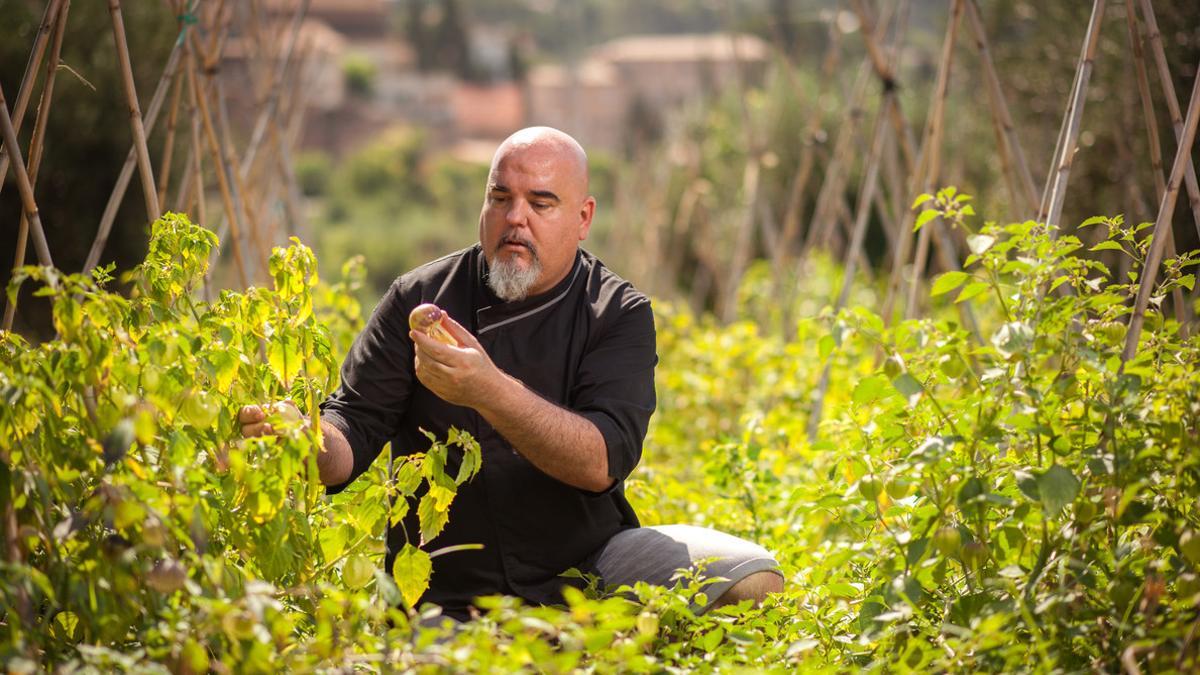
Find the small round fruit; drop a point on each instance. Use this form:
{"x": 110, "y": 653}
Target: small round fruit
{"x": 286, "y": 410}
{"x": 900, "y": 487}
{"x": 870, "y": 486}
{"x": 647, "y": 623}
{"x": 201, "y": 409}
{"x": 1085, "y": 510}
{"x": 947, "y": 541}
{"x": 974, "y": 555}
{"x": 1187, "y": 586}
{"x": 1189, "y": 546}
{"x": 427, "y": 318}
{"x": 893, "y": 366}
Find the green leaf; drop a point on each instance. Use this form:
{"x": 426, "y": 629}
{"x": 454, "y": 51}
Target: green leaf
{"x": 1057, "y": 487}
{"x": 1094, "y": 220}
{"x": 948, "y": 282}
{"x": 431, "y": 517}
{"x": 909, "y": 387}
{"x": 712, "y": 639}
{"x": 972, "y": 290}
{"x": 825, "y": 346}
{"x": 1107, "y": 246}
{"x": 978, "y": 243}
{"x": 869, "y": 389}
{"x": 408, "y": 476}
{"x": 284, "y": 358}
{"x": 412, "y": 570}
{"x": 921, "y": 199}
{"x": 926, "y": 216}
{"x": 1028, "y": 485}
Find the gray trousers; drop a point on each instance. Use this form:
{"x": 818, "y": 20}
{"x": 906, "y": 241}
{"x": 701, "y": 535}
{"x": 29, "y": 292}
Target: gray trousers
{"x": 654, "y": 554}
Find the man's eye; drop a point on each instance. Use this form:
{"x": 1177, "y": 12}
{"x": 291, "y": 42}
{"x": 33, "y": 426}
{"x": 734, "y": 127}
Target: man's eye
{"x": 541, "y": 205}
{"x": 498, "y": 198}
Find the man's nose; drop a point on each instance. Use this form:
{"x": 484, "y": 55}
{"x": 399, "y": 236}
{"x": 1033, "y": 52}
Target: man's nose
{"x": 517, "y": 213}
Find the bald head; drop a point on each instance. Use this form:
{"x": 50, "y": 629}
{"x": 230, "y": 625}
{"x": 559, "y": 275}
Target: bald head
{"x": 535, "y": 212}
{"x": 560, "y": 147}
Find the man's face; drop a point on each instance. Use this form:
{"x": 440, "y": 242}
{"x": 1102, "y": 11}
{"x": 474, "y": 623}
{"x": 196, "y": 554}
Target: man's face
{"x": 535, "y": 213}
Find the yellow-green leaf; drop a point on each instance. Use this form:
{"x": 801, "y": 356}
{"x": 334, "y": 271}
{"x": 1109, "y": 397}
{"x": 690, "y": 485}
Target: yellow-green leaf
{"x": 411, "y": 570}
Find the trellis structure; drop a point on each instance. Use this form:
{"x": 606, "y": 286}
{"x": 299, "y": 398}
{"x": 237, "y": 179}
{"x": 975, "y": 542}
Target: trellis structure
{"x": 253, "y": 182}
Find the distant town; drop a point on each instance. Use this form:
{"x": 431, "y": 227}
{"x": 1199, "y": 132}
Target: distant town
{"x": 368, "y": 76}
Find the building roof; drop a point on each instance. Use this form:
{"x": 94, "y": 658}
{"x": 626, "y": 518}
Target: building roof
{"x": 591, "y": 72}
{"x": 684, "y": 47}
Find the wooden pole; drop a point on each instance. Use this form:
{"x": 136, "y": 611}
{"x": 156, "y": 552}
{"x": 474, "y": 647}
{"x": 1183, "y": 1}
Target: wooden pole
{"x": 1153, "y": 38}
{"x": 1182, "y": 313}
{"x": 24, "y": 186}
{"x": 118, "y": 194}
{"x": 1052, "y": 210}
{"x": 1000, "y": 107}
{"x": 30, "y": 78}
{"x": 932, "y": 148}
{"x": 35, "y": 148}
{"x": 866, "y": 195}
{"x": 164, "y": 167}
{"x": 1162, "y": 227}
{"x": 149, "y": 191}
{"x": 214, "y": 148}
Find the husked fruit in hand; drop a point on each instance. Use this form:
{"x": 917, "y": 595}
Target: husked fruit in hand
{"x": 427, "y": 318}
{"x": 286, "y": 410}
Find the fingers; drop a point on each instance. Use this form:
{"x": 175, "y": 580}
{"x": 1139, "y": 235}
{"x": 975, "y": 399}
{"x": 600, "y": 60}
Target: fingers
{"x": 251, "y": 414}
{"x": 459, "y": 333}
{"x": 256, "y": 430}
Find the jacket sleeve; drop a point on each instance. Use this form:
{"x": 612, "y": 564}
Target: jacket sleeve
{"x": 615, "y": 385}
{"x": 376, "y": 381}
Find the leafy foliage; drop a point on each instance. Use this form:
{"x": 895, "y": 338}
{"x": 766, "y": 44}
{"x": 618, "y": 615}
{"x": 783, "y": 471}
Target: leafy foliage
{"x": 969, "y": 503}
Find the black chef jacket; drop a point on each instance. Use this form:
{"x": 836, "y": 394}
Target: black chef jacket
{"x": 587, "y": 344}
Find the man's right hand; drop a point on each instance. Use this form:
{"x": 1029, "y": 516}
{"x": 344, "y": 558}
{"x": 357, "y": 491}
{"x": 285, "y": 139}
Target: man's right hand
{"x": 253, "y": 418}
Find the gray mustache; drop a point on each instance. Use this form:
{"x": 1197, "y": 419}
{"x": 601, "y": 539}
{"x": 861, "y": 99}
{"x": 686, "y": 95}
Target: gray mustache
{"x": 514, "y": 239}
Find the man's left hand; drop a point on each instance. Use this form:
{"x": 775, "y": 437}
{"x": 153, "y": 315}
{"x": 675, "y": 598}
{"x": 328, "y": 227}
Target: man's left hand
{"x": 462, "y": 375}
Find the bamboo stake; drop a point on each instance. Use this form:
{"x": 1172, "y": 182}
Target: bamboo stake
{"x": 932, "y": 149}
{"x": 1182, "y": 315}
{"x": 1162, "y": 227}
{"x": 276, "y": 82}
{"x": 237, "y": 188}
{"x": 25, "y": 92}
{"x": 853, "y": 251}
{"x": 885, "y": 69}
{"x": 1154, "y": 39}
{"x": 999, "y": 106}
{"x": 231, "y": 213}
{"x": 164, "y": 167}
{"x": 118, "y": 194}
{"x": 36, "y": 147}
{"x": 149, "y": 192}
{"x": 23, "y": 185}
{"x": 1052, "y": 211}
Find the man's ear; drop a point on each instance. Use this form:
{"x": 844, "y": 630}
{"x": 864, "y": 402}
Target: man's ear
{"x": 586, "y": 212}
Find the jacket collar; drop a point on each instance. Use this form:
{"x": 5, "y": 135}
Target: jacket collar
{"x": 494, "y": 312}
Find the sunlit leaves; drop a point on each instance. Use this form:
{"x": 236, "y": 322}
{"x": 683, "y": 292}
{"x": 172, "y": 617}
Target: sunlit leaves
{"x": 411, "y": 570}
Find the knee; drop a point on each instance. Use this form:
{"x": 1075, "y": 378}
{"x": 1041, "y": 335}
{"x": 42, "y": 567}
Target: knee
{"x": 754, "y": 587}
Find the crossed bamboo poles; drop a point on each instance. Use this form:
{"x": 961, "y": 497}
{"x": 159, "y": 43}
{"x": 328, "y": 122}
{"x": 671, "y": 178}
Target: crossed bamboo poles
{"x": 923, "y": 172}
{"x": 248, "y": 185}
{"x": 197, "y": 109}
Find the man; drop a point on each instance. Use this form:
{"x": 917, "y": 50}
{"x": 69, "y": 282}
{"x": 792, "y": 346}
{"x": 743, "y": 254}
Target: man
{"x": 553, "y": 375}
